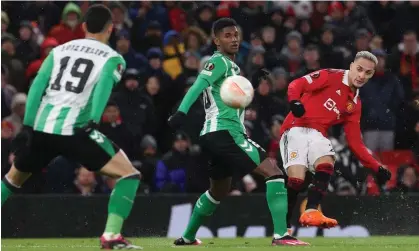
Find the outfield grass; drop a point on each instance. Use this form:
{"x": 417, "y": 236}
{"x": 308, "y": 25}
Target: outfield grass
{"x": 160, "y": 244}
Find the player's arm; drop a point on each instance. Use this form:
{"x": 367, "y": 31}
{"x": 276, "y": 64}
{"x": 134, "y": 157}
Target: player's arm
{"x": 356, "y": 145}
{"x": 308, "y": 83}
{"x": 213, "y": 70}
{"x": 110, "y": 76}
{"x": 37, "y": 90}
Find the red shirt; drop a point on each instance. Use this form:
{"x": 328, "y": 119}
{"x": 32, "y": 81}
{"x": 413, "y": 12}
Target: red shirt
{"x": 328, "y": 100}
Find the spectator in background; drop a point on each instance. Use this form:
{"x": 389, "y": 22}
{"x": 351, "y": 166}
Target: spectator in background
{"x": 191, "y": 66}
{"x": 115, "y": 129}
{"x": 280, "y": 83}
{"x": 309, "y": 36}
{"x": 362, "y": 41}
{"x": 171, "y": 170}
{"x": 46, "y": 46}
{"x": 70, "y": 26}
{"x": 5, "y": 21}
{"x": 132, "y": 58}
{"x": 330, "y": 55}
{"x": 205, "y": 16}
{"x": 155, "y": 68}
{"x": 407, "y": 180}
{"x": 291, "y": 56}
{"x": 357, "y": 17}
{"x": 381, "y": 101}
{"x": 173, "y": 53}
{"x": 177, "y": 16}
{"x": 118, "y": 19}
{"x": 7, "y": 92}
{"x": 272, "y": 52}
{"x": 16, "y": 70}
{"x": 18, "y": 111}
{"x": 195, "y": 39}
{"x": 255, "y": 61}
{"x": 143, "y": 13}
{"x": 276, "y": 19}
{"x": 317, "y": 19}
{"x": 85, "y": 183}
{"x": 45, "y": 14}
{"x": 129, "y": 98}
{"x": 311, "y": 61}
{"x": 153, "y": 38}
{"x": 404, "y": 61}
{"x": 27, "y": 49}
{"x": 381, "y": 14}
{"x": 336, "y": 21}
{"x": 146, "y": 159}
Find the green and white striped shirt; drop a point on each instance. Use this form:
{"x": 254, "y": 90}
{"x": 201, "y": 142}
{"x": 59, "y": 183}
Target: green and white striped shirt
{"x": 219, "y": 116}
{"x": 73, "y": 86}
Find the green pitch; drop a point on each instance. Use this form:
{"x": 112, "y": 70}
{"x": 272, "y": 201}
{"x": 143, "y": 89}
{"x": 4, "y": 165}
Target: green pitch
{"x": 237, "y": 244}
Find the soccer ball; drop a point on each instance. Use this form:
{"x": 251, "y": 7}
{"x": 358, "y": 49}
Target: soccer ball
{"x": 237, "y": 92}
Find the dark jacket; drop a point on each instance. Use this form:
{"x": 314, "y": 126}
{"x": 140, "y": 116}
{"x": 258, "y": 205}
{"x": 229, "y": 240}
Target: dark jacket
{"x": 381, "y": 99}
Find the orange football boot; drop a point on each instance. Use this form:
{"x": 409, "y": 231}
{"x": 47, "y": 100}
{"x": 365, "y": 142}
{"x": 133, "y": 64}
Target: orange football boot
{"x": 316, "y": 218}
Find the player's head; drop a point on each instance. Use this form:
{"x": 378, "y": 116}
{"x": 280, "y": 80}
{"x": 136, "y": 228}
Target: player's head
{"x": 362, "y": 68}
{"x": 98, "y": 22}
{"x": 226, "y": 35}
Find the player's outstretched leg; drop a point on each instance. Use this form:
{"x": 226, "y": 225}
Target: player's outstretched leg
{"x": 295, "y": 183}
{"x": 120, "y": 202}
{"x": 276, "y": 196}
{"x": 312, "y": 216}
{"x": 204, "y": 208}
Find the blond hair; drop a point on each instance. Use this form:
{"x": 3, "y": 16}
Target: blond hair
{"x": 366, "y": 55}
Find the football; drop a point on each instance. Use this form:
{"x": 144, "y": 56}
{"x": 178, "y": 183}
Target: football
{"x": 236, "y": 92}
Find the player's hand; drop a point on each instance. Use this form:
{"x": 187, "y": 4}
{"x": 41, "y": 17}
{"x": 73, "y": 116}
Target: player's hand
{"x": 297, "y": 108}
{"x": 260, "y": 74}
{"x": 382, "y": 176}
{"x": 176, "y": 120}
{"x": 88, "y": 128}
{"x": 23, "y": 139}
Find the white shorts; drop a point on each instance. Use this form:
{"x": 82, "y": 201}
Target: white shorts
{"x": 303, "y": 146}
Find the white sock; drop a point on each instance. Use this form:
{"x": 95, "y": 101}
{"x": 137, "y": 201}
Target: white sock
{"x": 186, "y": 240}
{"x": 310, "y": 209}
{"x": 278, "y": 236}
{"x": 111, "y": 236}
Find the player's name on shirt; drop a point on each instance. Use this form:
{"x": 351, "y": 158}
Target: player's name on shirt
{"x": 85, "y": 49}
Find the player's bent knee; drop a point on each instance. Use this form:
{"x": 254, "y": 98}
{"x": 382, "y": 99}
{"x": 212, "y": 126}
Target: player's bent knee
{"x": 330, "y": 159}
{"x": 297, "y": 171}
{"x": 268, "y": 169}
{"x": 119, "y": 166}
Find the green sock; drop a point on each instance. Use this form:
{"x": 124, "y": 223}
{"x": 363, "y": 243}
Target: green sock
{"x": 204, "y": 207}
{"x": 276, "y": 195}
{"x": 121, "y": 202}
{"x": 5, "y": 193}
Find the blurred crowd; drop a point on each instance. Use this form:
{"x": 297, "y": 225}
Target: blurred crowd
{"x": 165, "y": 44}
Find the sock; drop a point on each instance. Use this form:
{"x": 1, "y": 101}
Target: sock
{"x": 276, "y": 196}
{"x": 121, "y": 202}
{"x": 204, "y": 207}
{"x": 319, "y": 185}
{"x": 7, "y": 189}
{"x": 294, "y": 186}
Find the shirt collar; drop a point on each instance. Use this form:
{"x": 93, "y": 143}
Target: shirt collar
{"x": 345, "y": 81}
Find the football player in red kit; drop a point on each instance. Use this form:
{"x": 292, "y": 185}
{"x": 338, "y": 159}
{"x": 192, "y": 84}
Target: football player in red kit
{"x": 318, "y": 101}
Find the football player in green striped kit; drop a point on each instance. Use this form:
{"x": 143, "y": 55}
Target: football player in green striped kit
{"x": 223, "y": 139}
{"x": 65, "y": 104}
